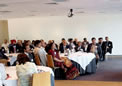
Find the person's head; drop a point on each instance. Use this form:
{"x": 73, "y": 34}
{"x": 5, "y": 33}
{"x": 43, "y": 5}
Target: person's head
{"x": 76, "y": 40}
{"x": 85, "y": 39}
{"x": 63, "y": 39}
{"x": 29, "y": 42}
{"x": 19, "y": 42}
{"x": 93, "y": 40}
{"x": 100, "y": 40}
{"x": 70, "y": 40}
{"x": 26, "y": 48}
{"x": 43, "y": 44}
{"x": 5, "y": 41}
{"x": 64, "y": 43}
{"x": 33, "y": 41}
{"x": 13, "y": 41}
{"x": 52, "y": 46}
{"x": 22, "y": 58}
{"x": 106, "y": 38}
{"x": 38, "y": 43}
{"x": 50, "y": 41}
{"x": 79, "y": 43}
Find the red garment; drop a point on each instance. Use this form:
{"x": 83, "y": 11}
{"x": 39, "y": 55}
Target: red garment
{"x": 71, "y": 73}
{"x": 55, "y": 54}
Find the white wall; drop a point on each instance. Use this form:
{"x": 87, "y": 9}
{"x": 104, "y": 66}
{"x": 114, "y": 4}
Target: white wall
{"x": 57, "y": 27}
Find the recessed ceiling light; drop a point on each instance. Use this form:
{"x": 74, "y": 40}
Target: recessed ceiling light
{"x": 3, "y": 5}
{"x": 5, "y": 11}
{"x": 52, "y": 3}
{"x": 60, "y": 0}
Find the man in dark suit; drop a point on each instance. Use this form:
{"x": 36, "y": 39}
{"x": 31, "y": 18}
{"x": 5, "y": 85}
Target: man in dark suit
{"x": 75, "y": 41}
{"x": 63, "y": 46}
{"x": 28, "y": 52}
{"x": 19, "y": 47}
{"x": 13, "y": 47}
{"x": 85, "y": 44}
{"x": 100, "y": 44}
{"x": 93, "y": 48}
{"x": 70, "y": 44}
{"x": 3, "y": 56}
{"x": 107, "y": 47}
{"x": 79, "y": 47}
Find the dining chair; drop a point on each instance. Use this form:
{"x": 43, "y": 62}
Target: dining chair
{"x": 41, "y": 79}
{"x": 4, "y": 61}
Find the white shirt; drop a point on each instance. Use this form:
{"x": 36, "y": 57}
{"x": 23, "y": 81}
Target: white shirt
{"x": 24, "y": 73}
{"x": 2, "y": 74}
{"x": 42, "y": 54}
{"x": 5, "y": 46}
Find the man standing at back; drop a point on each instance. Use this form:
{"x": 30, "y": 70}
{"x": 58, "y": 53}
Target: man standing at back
{"x": 107, "y": 47}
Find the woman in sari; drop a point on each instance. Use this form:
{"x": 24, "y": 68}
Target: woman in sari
{"x": 70, "y": 70}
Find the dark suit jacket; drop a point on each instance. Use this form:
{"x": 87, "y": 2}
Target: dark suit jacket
{"x": 108, "y": 44}
{"x": 2, "y": 56}
{"x": 19, "y": 48}
{"x": 79, "y": 49}
{"x": 89, "y": 47}
{"x": 3, "y": 50}
{"x": 31, "y": 57}
{"x": 11, "y": 48}
{"x": 61, "y": 47}
{"x": 100, "y": 50}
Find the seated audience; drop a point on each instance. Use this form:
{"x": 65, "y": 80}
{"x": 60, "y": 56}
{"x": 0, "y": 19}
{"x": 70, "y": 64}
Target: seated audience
{"x": 63, "y": 46}
{"x": 93, "y": 48}
{"x": 85, "y": 44}
{"x": 69, "y": 69}
{"x": 79, "y": 47}
{"x": 40, "y": 51}
{"x": 28, "y": 53}
{"x": 71, "y": 44}
{"x": 24, "y": 70}
{"x": 5, "y": 45}
{"x": 19, "y": 47}
{"x": 28, "y": 42}
{"x": 56, "y": 46}
{"x": 100, "y": 44}
{"x": 47, "y": 46}
{"x": 2, "y": 49}
{"x": 12, "y": 47}
{"x": 75, "y": 41}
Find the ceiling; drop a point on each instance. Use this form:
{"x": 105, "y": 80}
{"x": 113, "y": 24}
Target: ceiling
{"x": 25, "y": 8}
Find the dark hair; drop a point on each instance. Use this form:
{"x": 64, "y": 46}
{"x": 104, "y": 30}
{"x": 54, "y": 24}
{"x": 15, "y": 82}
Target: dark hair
{"x": 84, "y": 38}
{"x": 22, "y": 58}
{"x": 106, "y": 37}
{"x": 93, "y": 38}
{"x": 63, "y": 39}
{"x": 37, "y": 42}
{"x": 50, "y": 46}
{"x": 24, "y": 47}
{"x": 100, "y": 38}
{"x": 70, "y": 39}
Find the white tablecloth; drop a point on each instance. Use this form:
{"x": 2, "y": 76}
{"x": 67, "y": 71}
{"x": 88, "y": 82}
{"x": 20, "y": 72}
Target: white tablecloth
{"x": 81, "y": 57}
{"x": 12, "y": 81}
{"x": 12, "y": 57}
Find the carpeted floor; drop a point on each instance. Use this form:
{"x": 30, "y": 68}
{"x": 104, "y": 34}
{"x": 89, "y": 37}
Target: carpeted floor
{"x": 109, "y": 70}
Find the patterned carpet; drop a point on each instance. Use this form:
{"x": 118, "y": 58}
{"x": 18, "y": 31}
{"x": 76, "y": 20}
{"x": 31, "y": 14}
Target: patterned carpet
{"x": 109, "y": 70}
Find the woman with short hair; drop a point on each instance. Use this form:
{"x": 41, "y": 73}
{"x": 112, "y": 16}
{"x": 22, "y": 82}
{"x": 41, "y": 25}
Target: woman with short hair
{"x": 25, "y": 69}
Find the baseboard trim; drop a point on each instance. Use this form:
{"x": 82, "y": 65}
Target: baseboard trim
{"x": 114, "y": 55}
